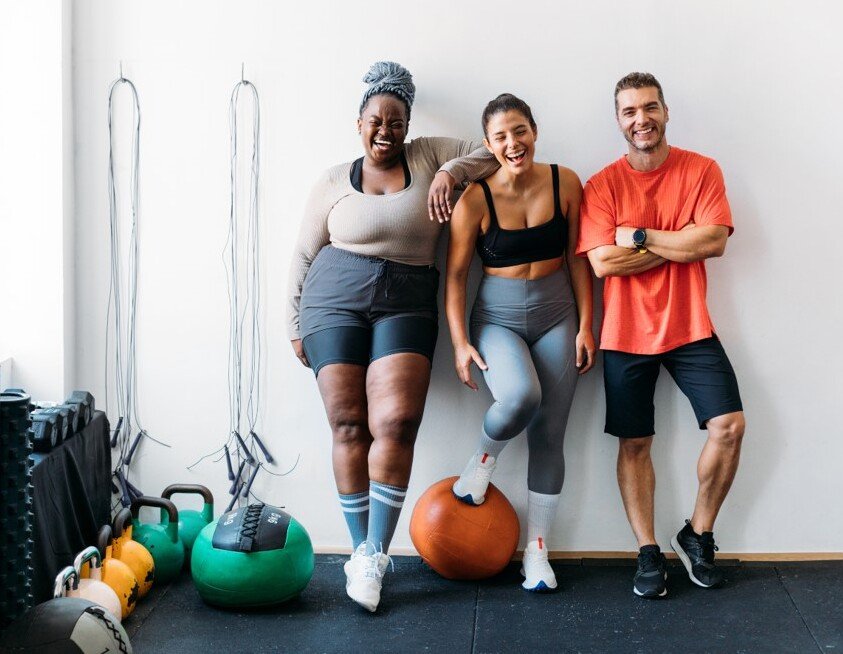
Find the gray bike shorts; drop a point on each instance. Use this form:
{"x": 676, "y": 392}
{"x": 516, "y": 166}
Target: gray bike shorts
{"x": 355, "y": 308}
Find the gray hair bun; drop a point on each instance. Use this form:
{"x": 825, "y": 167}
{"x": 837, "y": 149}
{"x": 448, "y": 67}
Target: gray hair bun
{"x": 389, "y": 77}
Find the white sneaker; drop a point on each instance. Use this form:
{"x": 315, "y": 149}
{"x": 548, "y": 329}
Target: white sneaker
{"x": 354, "y": 562}
{"x": 364, "y": 577}
{"x": 474, "y": 480}
{"x": 539, "y": 577}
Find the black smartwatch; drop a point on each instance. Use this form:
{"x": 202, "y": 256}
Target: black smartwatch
{"x": 639, "y": 238}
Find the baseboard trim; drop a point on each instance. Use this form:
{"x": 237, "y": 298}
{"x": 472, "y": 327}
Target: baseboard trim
{"x": 735, "y": 556}
{"x": 617, "y": 554}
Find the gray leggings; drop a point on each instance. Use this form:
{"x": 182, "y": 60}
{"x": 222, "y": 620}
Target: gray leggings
{"x": 525, "y": 330}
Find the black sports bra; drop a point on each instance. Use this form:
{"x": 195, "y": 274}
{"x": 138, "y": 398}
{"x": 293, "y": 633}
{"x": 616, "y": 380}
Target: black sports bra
{"x": 499, "y": 248}
{"x": 356, "y": 173}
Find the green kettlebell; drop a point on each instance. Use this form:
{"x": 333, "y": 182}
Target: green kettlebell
{"x": 162, "y": 540}
{"x": 191, "y": 522}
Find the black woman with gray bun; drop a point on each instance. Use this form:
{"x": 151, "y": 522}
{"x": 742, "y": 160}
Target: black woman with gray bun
{"x": 362, "y": 306}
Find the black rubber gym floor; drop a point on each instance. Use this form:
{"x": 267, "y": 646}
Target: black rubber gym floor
{"x": 789, "y": 607}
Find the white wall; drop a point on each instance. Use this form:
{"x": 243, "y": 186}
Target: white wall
{"x": 757, "y": 90}
{"x": 36, "y": 301}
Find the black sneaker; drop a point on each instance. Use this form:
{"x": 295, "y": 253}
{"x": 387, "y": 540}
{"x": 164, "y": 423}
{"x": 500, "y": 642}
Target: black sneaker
{"x": 650, "y": 578}
{"x": 697, "y": 554}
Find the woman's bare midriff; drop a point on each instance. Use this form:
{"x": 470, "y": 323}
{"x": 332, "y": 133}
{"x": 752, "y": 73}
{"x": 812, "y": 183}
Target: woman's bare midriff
{"x": 533, "y": 270}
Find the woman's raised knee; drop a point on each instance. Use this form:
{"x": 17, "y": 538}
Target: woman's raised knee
{"x": 520, "y": 408}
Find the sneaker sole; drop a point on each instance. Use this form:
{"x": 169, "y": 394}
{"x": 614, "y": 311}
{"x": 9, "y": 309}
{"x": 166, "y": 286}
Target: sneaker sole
{"x": 676, "y": 547}
{"x": 651, "y": 596}
{"x": 468, "y": 499}
{"x": 369, "y": 608}
{"x": 541, "y": 587}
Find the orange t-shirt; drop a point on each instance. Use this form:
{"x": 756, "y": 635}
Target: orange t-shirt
{"x": 662, "y": 308}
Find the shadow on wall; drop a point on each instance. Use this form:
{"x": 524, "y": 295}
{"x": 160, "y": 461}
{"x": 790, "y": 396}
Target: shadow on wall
{"x": 464, "y": 409}
{"x": 765, "y": 437}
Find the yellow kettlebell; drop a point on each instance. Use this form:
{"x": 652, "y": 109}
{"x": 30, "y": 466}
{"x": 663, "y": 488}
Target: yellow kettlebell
{"x": 116, "y": 574}
{"x": 131, "y": 552}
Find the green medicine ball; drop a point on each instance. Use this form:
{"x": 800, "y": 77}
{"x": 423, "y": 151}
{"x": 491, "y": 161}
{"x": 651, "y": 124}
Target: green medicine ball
{"x": 257, "y": 555}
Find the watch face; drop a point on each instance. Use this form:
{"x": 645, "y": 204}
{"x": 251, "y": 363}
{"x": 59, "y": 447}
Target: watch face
{"x": 639, "y": 236}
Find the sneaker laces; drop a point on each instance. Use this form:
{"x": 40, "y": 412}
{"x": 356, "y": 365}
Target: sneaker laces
{"x": 649, "y": 560}
{"x": 535, "y": 555}
{"x": 704, "y": 544}
{"x": 371, "y": 565}
{"x": 708, "y": 548}
{"x": 484, "y": 472}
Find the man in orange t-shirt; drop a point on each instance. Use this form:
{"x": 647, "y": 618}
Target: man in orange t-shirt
{"x": 648, "y": 222}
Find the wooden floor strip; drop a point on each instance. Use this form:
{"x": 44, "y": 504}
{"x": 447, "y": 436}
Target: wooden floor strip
{"x": 617, "y": 554}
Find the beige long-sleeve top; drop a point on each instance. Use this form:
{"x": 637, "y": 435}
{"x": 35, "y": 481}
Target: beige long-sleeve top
{"x": 395, "y": 226}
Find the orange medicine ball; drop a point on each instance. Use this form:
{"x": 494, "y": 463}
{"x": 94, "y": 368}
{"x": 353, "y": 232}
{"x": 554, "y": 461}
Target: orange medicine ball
{"x": 461, "y": 541}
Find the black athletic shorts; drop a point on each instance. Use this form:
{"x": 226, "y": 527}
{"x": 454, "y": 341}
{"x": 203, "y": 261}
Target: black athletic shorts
{"x": 355, "y": 309}
{"x": 701, "y": 370}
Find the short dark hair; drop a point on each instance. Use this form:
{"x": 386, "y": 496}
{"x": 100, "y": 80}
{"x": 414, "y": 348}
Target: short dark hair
{"x": 506, "y": 102}
{"x": 638, "y": 81}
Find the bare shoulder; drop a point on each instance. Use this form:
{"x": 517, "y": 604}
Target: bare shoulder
{"x": 570, "y": 183}
{"x": 471, "y": 206}
{"x": 473, "y": 196}
{"x": 568, "y": 176}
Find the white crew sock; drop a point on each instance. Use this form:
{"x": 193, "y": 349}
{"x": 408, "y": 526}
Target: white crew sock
{"x": 490, "y": 446}
{"x": 541, "y": 510}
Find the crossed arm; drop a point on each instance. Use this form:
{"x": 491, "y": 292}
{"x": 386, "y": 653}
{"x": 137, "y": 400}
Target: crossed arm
{"x": 691, "y": 243}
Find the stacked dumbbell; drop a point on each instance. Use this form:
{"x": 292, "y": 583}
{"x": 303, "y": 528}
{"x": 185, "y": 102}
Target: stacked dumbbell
{"x": 15, "y": 506}
{"x": 52, "y": 423}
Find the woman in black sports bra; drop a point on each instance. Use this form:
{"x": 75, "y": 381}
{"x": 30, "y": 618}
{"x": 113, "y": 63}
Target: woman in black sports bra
{"x": 531, "y": 321}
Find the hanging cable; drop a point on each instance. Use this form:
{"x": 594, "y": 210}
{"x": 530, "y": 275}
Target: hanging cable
{"x": 120, "y": 365}
{"x": 243, "y": 450}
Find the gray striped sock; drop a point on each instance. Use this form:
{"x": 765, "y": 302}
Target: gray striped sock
{"x": 355, "y": 508}
{"x": 385, "y": 504}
